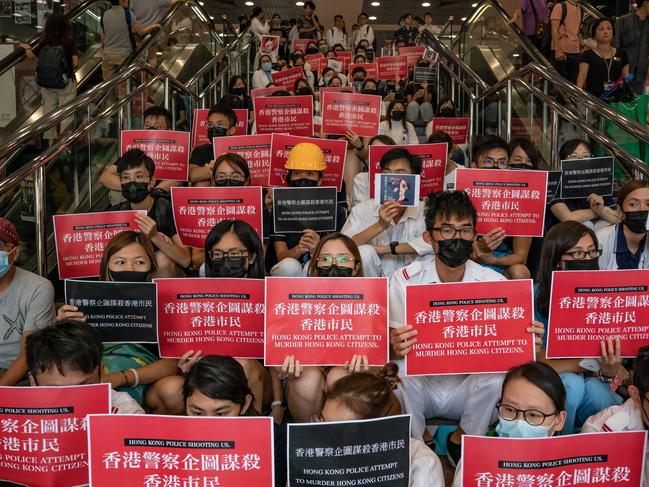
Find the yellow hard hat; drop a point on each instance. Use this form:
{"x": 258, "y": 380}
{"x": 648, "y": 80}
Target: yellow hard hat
{"x": 306, "y": 156}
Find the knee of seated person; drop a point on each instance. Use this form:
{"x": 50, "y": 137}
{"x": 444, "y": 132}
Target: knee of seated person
{"x": 310, "y": 382}
{"x": 166, "y": 266}
{"x": 334, "y": 375}
{"x": 165, "y": 396}
{"x": 518, "y": 271}
{"x": 288, "y": 267}
{"x": 252, "y": 369}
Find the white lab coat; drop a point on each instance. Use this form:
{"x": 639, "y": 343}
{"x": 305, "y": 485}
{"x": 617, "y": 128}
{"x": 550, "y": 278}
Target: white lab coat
{"x": 336, "y": 36}
{"x": 607, "y": 237}
{"x": 259, "y": 78}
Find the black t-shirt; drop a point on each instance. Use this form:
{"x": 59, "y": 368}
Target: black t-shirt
{"x": 601, "y": 71}
{"x": 161, "y": 212}
{"x": 202, "y": 155}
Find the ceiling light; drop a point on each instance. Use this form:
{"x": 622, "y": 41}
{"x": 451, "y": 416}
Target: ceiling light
{"x": 250, "y": 4}
{"x": 202, "y": 4}
{"x": 474, "y": 5}
{"x": 299, "y": 4}
{"x": 372, "y": 17}
{"x": 425, "y": 4}
{"x": 211, "y": 17}
{"x": 375, "y": 4}
{"x": 463, "y": 19}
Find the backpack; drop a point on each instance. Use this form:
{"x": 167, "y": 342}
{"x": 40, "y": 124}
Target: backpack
{"x": 564, "y": 14}
{"x": 52, "y": 69}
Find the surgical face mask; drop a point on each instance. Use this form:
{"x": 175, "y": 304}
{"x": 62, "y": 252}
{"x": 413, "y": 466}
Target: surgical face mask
{"x": 581, "y": 265}
{"x": 129, "y": 276}
{"x": 4, "y": 262}
{"x": 216, "y": 132}
{"x": 398, "y": 115}
{"x": 303, "y": 183}
{"x": 454, "y": 252}
{"x": 521, "y": 429}
{"x": 335, "y": 271}
{"x": 266, "y": 67}
{"x": 229, "y": 182}
{"x": 135, "y": 192}
{"x": 239, "y": 91}
{"x": 519, "y": 166}
{"x": 227, "y": 267}
{"x": 323, "y": 49}
{"x": 636, "y": 221}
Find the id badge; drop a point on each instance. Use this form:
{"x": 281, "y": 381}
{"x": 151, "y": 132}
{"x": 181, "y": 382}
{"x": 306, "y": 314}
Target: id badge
{"x": 608, "y": 86}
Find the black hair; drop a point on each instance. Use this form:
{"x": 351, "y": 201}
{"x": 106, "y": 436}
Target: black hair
{"x": 280, "y": 93}
{"x": 304, "y": 81}
{"x": 441, "y": 137}
{"x": 135, "y": 158}
{"x": 256, "y": 11}
{"x": 335, "y": 77}
{"x": 233, "y": 81}
{"x": 448, "y": 204}
{"x": 226, "y": 111}
{"x": 362, "y": 14}
{"x": 157, "y": 111}
{"x": 231, "y": 101}
{"x": 489, "y": 143}
{"x": 57, "y": 29}
{"x": 597, "y": 22}
{"x": 570, "y": 146}
{"x": 641, "y": 370}
{"x": 235, "y": 161}
{"x": 388, "y": 112}
{"x": 414, "y": 161}
{"x": 263, "y": 56}
{"x": 338, "y": 16}
{"x": 542, "y": 376}
{"x": 249, "y": 239}
{"x": 309, "y": 4}
{"x": 561, "y": 238}
{"x": 68, "y": 343}
{"x": 369, "y": 80}
{"x": 529, "y": 148}
{"x": 359, "y": 69}
{"x": 338, "y": 44}
{"x": 218, "y": 377}
{"x": 385, "y": 139}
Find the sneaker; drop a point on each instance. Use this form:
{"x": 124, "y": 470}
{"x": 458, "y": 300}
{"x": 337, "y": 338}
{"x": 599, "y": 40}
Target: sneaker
{"x": 453, "y": 452}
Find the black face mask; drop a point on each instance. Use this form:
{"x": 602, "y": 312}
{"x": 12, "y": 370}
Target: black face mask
{"x": 239, "y": 91}
{"x": 335, "y": 271}
{"x": 313, "y": 50}
{"x": 303, "y": 91}
{"x": 518, "y": 166}
{"x": 370, "y": 92}
{"x": 447, "y": 112}
{"x": 216, "y": 132}
{"x": 398, "y": 115}
{"x": 636, "y": 221}
{"x": 229, "y": 182}
{"x": 581, "y": 265}
{"x": 230, "y": 268}
{"x": 129, "y": 276}
{"x": 135, "y": 192}
{"x": 303, "y": 183}
{"x": 454, "y": 252}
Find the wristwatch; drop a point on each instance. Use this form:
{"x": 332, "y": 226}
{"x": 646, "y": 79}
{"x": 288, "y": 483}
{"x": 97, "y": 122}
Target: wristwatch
{"x": 393, "y": 247}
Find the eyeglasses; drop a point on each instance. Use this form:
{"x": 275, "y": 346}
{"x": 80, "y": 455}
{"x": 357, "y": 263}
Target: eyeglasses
{"x": 232, "y": 255}
{"x": 581, "y": 254}
{"x": 532, "y": 416}
{"x": 219, "y": 176}
{"x": 575, "y": 155}
{"x": 448, "y": 232}
{"x": 136, "y": 179}
{"x": 212, "y": 125}
{"x": 328, "y": 260}
{"x": 152, "y": 127}
{"x": 489, "y": 162}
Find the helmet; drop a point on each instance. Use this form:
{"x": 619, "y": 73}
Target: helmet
{"x": 306, "y": 156}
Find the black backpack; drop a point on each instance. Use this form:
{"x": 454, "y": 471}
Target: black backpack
{"x": 52, "y": 70}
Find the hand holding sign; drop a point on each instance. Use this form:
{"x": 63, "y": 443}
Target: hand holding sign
{"x": 403, "y": 339}
{"x": 147, "y": 225}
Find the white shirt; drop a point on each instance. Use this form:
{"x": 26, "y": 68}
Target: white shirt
{"x": 398, "y": 133}
{"x": 123, "y": 403}
{"x": 364, "y": 32}
{"x": 336, "y": 36}
{"x": 433, "y": 29}
{"x": 259, "y": 28}
{"x": 409, "y": 230}
{"x": 425, "y": 467}
{"x": 260, "y": 80}
{"x": 607, "y": 238}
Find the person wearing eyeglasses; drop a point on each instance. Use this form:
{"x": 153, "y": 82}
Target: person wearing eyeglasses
{"x": 507, "y": 255}
{"x": 335, "y": 256}
{"x": 572, "y": 246}
{"x": 221, "y": 122}
{"x": 531, "y": 405}
{"x": 450, "y": 233}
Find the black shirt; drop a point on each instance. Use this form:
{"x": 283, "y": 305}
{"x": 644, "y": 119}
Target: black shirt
{"x": 202, "y": 155}
{"x": 601, "y": 71}
{"x": 161, "y": 212}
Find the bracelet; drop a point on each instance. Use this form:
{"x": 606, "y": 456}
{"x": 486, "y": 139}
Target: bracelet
{"x": 125, "y": 378}
{"x": 137, "y": 377}
{"x": 274, "y": 404}
{"x": 605, "y": 378}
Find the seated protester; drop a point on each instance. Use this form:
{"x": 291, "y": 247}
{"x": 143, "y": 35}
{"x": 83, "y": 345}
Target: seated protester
{"x": 531, "y": 405}
{"x": 420, "y": 101}
{"x": 335, "y": 256}
{"x": 446, "y": 109}
{"x": 26, "y": 304}
{"x": 253, "y": 130}
{"x": 573, "y": 246}
{"x": 336, "y": 81}
{"x": 306, "y": 165}
{"x": 392, "y": 91}
{"x": 221, "y": 122}
{"x": 396, "y": 127}
{"x": 636, "y": 406}
{"x": 302, "y": 87}
{"x": 595, "y": 211}
{"x": 503, "y": 254}
{"x": 441, "y": 137}
{"x": 298, "y": 61}
{"x": 523, "y": 154}
{"x": 69, "y": 353}
{"x": 237, "y": 87}
{"x": 388, "y": 235}
{"x": 136, "y": 171}
{"x": 217, "y": 386}
{"x": 358, "y": 78}
{"x": 361, "y": 184}
{"x": 371, "y": 87}
{"x": 364, "y": 395}
{"x": 154, "y": 118}
{"x": 264, "y": 74}
{"x": 624, "y": 246}
{"x": 360, "y": 59}
{"x": 450, "y": 231}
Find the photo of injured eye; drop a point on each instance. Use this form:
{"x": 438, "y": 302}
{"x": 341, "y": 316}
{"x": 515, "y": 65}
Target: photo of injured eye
{"x": 402, "y": 188}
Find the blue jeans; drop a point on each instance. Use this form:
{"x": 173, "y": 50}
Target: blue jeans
{"x": 585, "y": 396}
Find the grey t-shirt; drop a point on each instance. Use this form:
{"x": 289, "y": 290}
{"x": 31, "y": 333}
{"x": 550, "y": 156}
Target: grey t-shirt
{"x": 116, "y": 35}
{"x": 26, "y": 305}
{"x": 149, "y": 11}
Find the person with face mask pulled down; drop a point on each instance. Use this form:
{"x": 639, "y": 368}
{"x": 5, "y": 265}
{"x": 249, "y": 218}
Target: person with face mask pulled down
{"x": 306, "y": 165}
{"x": 624, "y": 246}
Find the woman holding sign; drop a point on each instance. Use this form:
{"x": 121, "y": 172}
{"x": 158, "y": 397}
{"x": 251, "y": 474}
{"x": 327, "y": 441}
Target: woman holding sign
{"x": 396, "y": 127}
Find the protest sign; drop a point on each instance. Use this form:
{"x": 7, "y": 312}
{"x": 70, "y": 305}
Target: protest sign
{"x": 391, "y": 67}
{"x": 305, "y": 318}
{"x": 44, "y": 438}
{"x": 387, "y": 52}
{"x": 351, "y": 111}
{"x": 242, "y": 121}
{"x": 402, "y": 188}
{"x": 316, "y": 61}
{"x": 111, "y": 308}
{"x": 255, "y": 149}
{"x": 80, "y": 244}
{"x": 412, "y": 53}
{"x": 216, "y": 316}
{"x": 150, "y": 450}
{"x": 582, "y": 177}
{"x": 371, "y": 69}
{"x": 257, "y": 92}
{"x": 424, "y": 74}
{"x": 336, "y": 64}
{"x": 433, "y": 158}
{"x": 588, "y": 307}
{"x": 197, "y": 210}
{"x": 554, "y": 178}
{"x": 363, "y": 452}
{"x": 336, "y": 89}
{"x": 456, "y": 127}
{"x": 457, "y": 334}
{"x": 199, "y": 127}
{"x": 269, "y": 45}
{"x": 286, "y": 79}
{"x": 300, "y": 44}
{"x": 430, "y": 55}
{"x": 169, "y": 150}
{"x": 513, "y": 200}
{"x": 588, "y": 459}
{"x": 298, "y": 209}
{"x": 334, "y": 151}
{"x": 284, "y": 114}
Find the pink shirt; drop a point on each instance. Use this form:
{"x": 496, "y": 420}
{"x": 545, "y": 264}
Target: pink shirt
{"x": 569, "y": 30}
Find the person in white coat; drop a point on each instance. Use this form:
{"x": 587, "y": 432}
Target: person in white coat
{"x": 337, "y": 34}
{"x": 364, "y": 31}
{"x": 264, "y": 74}
{"x": 259, "y": 25}
{"x": 396, "y": 127}
{"x": 364, "y": 395}
{"x": 625, "y": 245}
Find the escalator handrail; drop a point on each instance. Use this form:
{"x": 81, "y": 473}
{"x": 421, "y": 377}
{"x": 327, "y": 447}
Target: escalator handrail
{"x": 227, "y": 22}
